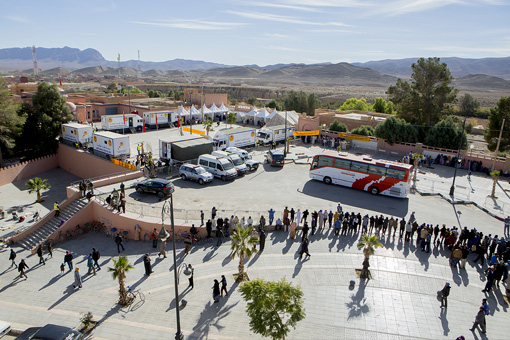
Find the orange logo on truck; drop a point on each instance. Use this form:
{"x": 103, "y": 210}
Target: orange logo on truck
{"x": 63, "y": 129}
{"x": 253, "y": 134}
{"x": 109, "y": 120}
{"x": 95, "y": 139}
{"x": 109, "y": 142}
{"x": 231, "y": 137}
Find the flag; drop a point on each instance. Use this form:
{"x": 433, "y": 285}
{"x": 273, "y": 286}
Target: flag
{"x": 60, "y": 80}
{"x": 156, "y": 120}
{"x": 123, "y": 119}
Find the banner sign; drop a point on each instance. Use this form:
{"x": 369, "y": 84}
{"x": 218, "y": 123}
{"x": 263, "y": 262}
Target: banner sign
{"x": 306, "y": 133}
{"x": 354, "y": 137}
{"x": 193, "y": 130}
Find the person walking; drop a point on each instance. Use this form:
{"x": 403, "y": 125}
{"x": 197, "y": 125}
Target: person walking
{"x": 190, "y": 278}
{"x": 96, "y": 256}
{"x": 219, "y": 237}
{"x": 50, "y": 249}
{"x": 162, "y": 250}
{"x": 40, "y": 254}
{"x": 489, "y": 272}
{"x": 305, "y": 230}
{"x": 21, "y": 269}
{"x": 77, "y": 278}
{"x": 122, "y": 189}
{"x": 262, "y": 240}
{"x": 68, "y": 258}
{"x": 202, "y": 215}
{"x": 216, "y": 291}
{"x": 154, "y": 237}
{"x": 118, "y": 241}
{"x": 12, "y": 257}
{"x": 147, "y": 264}
{"x": 304, "y": 248}
{"x": 56, "y": 208}
{"x": 187, "y": 244}
{"x": 485, "y": 306}
{"x": 479, "y": 320}
{"x": 223, "y": 286}
{"x": 444, "y": 295}
{"x": 122, "y": 204}
{"x": 90, "y": 264}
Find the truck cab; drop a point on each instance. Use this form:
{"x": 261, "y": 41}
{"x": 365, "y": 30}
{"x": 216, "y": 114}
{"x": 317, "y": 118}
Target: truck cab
{"x": 235, "y": 159}
{"x": 246, "y": 157}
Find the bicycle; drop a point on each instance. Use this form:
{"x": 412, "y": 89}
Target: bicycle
{"x": 132, "y": 295}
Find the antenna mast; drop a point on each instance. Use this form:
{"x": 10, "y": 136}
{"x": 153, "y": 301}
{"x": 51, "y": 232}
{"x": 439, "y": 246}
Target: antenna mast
{"x": 139, "y": 72}
{"x": 118, "y": 60}
{"x": 36, "y": 70}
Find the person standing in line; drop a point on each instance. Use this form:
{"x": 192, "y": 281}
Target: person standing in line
{"x": 223, "y": 286}
{"x": 337, "y": 226}
{"x": 21, "y": 269}
{"x": 262, "y": 240}
{"x": 402, "y": 228}
{"x": 319, "y": 221}
{"x": 190, "y": 278}
{"x": 90, "y": 264}
{"x": 292, "y": 214}
{"x": 213, "y": 213}
{"x": 68, "y": 258}
{"x": 219, "y": 237}
{"x": 202, "y": 215}
{"x": 286, "y": 225}
{"x": 314, "y": 225}
{"x": 305, "y": 215}
{"x": 271, "y": 216}
{"x": 12, "y": 257}
{"x": 339, "y": 208}
{"x": 305, "y": 230}
{"x": 507, "y": 226}
{"x": 77, "y": 278}
{"x": 40, "y": 254}
{"x": 285, "y": 213}
{"x": 122, "y": 189}
{"x": 444, "y": 295}
{"x": 96, "y": 256}
{"x": 298, "y": 217}
{"x": 216, "y": 291}
{"x": 262, "y": 223}
{"x": 304, "y": 248}
{"x": 479, "y": 321}
{"x": 330, "y": 218}
{"x": 118, "y": 241}
{"x": 208, "y": 228}
{"x": 56, "y": 208}
{"x": 490, "y": 280}
{"x": 147, "y": 264}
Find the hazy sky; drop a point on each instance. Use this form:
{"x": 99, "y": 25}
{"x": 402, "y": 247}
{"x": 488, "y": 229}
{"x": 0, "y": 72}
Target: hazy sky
{"x": 239, "y": 32}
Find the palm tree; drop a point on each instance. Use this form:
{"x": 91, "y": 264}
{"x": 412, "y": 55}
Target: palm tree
{"x": 36, "y": 185}
{"x": 208, "y": 125}
{"x": 495, "y": 178}
{"x": 243, "y": 245}
{"x": 368, "y": 243}
{"x": 121, "y": 266}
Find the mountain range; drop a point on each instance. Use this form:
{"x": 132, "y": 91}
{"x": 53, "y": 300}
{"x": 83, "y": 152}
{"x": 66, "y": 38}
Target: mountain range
{"x": 92, "y": 61}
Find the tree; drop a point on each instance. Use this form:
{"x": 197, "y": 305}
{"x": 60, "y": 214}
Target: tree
{"x": 368, "y": 243}
{"x": 231, "y": 118}
{"x": 275, "y": 104}
{"x": 447, "y": 134}
{"x": 119, "y": 270}
{"x": 44, "y": 119}
{"x": 208, "y": 125}
{"x": 356, "y": 104}
{"x": 297, "y": 101}
{"x": 273, "y": 307}
{"x": 313, "y": 103}
{"x": 426, "y": 99}
{"x": 112, "y": 88}
{"x": 243, "y": 246}
{"x": 363, "y": 130}
{"x": 170, "y": 94}
{"x": 337, "y": 126}
{"x": 495, "y": 177}
{"x": 10, "y": 122}
{"x": 498, "y": 113}
{"x": 379, "y": 105}
{"x": 36, "y": 185}
{"x": 395, "y": 129}
{"x": 468, "y": 105}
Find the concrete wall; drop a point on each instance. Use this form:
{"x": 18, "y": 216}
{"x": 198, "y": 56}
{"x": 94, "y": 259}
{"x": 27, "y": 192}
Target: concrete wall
{"x": 27, "y": 169}
{"x": 84, "y": 165}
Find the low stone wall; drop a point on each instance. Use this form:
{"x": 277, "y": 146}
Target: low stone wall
{"x": 27, "y": 169}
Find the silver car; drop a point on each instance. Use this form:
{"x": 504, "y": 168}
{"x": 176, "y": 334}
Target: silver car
{"x": 195, "y": 173}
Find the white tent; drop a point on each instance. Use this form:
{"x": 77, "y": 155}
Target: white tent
{"x": 272, "y": 114}
{"x": 208, "y": 112}
{"x": 261, "y": 116}
{"x": 223, "y": 108}
{"x": 214, "y": 109}
{"x": 182, "y": 112}
{"x": 253, "y": 112}
{"x": 195, "y": 112}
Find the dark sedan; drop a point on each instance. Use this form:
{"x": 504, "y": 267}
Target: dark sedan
{"x": 160, "y": 187}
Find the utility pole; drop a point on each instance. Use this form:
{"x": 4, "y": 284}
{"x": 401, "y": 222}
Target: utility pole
{"x": 452, "y": 188}
{"x": 497, "y": 145}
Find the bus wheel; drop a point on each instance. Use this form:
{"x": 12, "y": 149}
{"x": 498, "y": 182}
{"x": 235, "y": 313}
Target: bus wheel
{"x": 374, "y": 190}
{"x": 327, "y": 180}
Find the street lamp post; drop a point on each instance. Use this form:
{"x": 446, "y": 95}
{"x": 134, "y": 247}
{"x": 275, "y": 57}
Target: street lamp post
{"x": 452, "y": 188}
{"x": 168, "y": 208}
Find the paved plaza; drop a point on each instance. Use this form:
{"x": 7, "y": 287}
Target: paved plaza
{"x": 400, "y": 301}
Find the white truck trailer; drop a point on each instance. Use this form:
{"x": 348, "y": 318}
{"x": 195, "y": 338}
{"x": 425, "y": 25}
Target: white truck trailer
{"x": 110, "y": 145}
{"x": 154, "y": 119}
{"x": 184, "y": 148}
{"x": 236, "y": 137}
{"x": 276, "y": 133}
{"x": 120, "y": 122}
{"x": 74, "y": 133}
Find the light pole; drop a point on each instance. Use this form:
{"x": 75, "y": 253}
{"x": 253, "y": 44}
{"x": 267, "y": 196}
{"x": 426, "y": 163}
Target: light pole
{"x": 471, "y": 147}
{"x": 168, "y": 208}
{"x": 452, "y": 188}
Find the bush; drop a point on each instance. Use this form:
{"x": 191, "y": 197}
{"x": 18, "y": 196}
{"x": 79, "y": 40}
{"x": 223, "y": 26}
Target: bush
{"x": 337, "y": 126}
{"x": 364, "y": 130}
{"x": 395, "y": 129}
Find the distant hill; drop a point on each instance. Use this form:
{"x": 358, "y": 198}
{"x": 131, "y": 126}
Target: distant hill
{"x": 481, "y": 82}
{"x": 459, "y": 67}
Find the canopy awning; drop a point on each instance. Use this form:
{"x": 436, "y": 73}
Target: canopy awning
{"x": 182, "y": 112}
{"x": 223, "y": 108}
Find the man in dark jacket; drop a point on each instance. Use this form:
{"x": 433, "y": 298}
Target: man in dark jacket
{"x": 479, "y": 320}
{"x": 68, "y": 258}
{"x": 118, "y": 241}
{"x": 147, "y": 264}
{"x": 96, "y": 256}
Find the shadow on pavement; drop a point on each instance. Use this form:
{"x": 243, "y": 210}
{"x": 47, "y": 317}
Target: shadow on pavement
{"x": 358, "y": 304}
{"x": 210, "y": 317}
{"x": 444, "y": 321}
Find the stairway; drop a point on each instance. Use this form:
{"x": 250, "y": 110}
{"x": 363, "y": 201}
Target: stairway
{"x": 40, "y": 234}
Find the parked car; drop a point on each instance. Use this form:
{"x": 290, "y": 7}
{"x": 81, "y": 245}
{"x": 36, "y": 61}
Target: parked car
{"x": 50, "y": 332}
{"x": 275, "y": 157}
{"x": 160, "y": 187}
{"x": 195, "y": 173}
{"x": 248, "y": 160}
{"x": 5, "y": 328}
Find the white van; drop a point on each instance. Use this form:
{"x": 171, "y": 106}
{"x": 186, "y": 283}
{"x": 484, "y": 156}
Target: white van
{"x": 218, "y": 166}
{"x": 248, "y": 160}
{"x": 236, "y": 160}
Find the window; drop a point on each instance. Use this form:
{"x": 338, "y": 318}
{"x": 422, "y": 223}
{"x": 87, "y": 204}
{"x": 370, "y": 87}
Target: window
{"x": 377, "y": 170}
{"x": 394, "y": 173}
{"x": 342, "y": 163}
{"x": 324, "y": 161}
{"x": 204, "y": 162}
{"x": 314, "y": 163}
{"x": 357, "y": 166}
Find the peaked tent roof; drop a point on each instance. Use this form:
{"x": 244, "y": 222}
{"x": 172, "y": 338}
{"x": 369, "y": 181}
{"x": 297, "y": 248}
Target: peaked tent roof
{"x": 207, "y": 111}
{"x": 262, "y": 113}
{"x": 253, "y": 112}
{"x": 214, "y": 108}
{"x": 195, "y": 112}
{"x": 223, "y": 108}
{"x": 272, "y": 114}
{"x": 182, "y": 112}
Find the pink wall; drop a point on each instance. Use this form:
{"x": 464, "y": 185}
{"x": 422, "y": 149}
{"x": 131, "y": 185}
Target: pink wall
{"x": 27, "y": 169}
{"x": 84, "y": 165}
